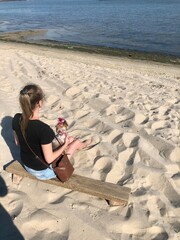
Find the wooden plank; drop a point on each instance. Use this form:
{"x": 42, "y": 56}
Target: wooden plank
{"x": 104, "y": 190}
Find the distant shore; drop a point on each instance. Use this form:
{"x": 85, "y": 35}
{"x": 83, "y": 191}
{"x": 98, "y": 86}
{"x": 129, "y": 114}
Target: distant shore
{"x": 28, "y": 36}
{"x": 11, "y": 0}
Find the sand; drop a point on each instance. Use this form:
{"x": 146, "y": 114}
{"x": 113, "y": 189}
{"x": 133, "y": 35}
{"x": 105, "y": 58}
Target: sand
{"x": 131, "y": 109}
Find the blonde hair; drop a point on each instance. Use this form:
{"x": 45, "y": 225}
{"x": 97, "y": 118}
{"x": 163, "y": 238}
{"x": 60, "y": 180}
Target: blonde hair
{"x": 29, "y": 96}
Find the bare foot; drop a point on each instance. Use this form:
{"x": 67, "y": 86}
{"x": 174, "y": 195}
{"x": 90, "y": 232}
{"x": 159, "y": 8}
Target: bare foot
{"x": 81, "y": 145}
{"x": 77, "y": 145}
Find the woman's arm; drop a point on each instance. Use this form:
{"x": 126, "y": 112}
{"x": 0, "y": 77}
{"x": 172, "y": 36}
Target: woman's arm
{"x": 49, "y": 155}
{"x": 16, "y": 138}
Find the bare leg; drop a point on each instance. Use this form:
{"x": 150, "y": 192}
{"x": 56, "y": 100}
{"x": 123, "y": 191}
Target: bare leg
{"x": 71, "y": 139}
{"x": 76, "y": 145}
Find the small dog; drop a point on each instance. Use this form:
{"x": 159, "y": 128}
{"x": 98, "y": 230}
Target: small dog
{"x": 61, "y": 130}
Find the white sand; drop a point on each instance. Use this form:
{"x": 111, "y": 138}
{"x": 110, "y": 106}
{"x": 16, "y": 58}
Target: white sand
{"x": 132, "y": 111}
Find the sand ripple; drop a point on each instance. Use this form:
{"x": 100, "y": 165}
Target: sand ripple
{"x": 131, "y": 110}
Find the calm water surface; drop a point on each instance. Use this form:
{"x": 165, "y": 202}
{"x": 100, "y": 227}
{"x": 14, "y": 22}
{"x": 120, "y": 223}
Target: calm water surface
{"x": 144, "y": 25}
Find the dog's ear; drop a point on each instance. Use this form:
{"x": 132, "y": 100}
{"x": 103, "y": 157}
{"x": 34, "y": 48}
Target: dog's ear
{"x": 66, "y": 124}
{"x": 57, "y": 127}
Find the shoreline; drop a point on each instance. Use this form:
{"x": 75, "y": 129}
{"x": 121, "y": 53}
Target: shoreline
{"x": 11, "y": 0}
{"x": 25, "y": 37}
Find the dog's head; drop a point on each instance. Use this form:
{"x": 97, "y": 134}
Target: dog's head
{"x": 61, "y": 125}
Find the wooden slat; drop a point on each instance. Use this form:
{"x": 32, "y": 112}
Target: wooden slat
{"x": 104, "y": 190}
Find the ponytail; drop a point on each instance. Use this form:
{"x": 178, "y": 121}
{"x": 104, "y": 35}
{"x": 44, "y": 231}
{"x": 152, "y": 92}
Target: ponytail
{"x": 29, "y": 96}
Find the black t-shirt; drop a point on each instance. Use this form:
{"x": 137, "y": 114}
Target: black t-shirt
{"x": 37, "y": 134}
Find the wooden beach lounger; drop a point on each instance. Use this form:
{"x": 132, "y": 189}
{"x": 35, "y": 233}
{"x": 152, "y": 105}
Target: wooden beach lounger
{"x": 114, "y": 194}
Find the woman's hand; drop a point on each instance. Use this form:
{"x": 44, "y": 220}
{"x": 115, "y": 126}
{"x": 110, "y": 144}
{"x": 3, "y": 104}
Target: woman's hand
{"x": 67, "y": 140}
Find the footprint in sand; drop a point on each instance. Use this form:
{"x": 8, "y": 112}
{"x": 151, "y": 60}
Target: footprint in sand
{"x": 73, "y": 92}
{"x": 52, "y": 100}
{"x": 56, "y": 197}
{"x": 121, "y": 171}
{"x": 103, "y": 164}
{"x": 176, "y": 226}
{"x": 130, "y": 139}
{"x": 114, "y": 109}
{"x": 101, "y": 168}
{"x": 140, "y": 118}
{"x": 68, "y": 105}
{"x": 136, "y": 223}
{"x": 14, "y": 204}
{"x": 139, "y": 192}
{"x": 156, "y": 232}
{"x": 157, "y": 208}
{"x": 80, "y": 114}
{"x": 160, "y": 125}
{"x": 44, "y": 225}
{"x": 92, "y": 123}
{"x": 98, "y": 104}
{"x": 161, "y": 183}
{"x": 7, "y": 87}
{"x": 114, "y": 136}
{"x": 125, "y": 115}
{"x": 175, "y": 155}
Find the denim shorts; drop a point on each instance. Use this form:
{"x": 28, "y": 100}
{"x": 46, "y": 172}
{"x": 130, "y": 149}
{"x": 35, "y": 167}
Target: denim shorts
{"x": 41, "y": 174}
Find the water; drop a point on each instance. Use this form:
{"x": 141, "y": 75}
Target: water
{"x": 143, "y": 25}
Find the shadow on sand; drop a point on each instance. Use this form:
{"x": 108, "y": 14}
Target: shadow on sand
{"x": 8, "y": 231}
{"x": 7, "y": 134}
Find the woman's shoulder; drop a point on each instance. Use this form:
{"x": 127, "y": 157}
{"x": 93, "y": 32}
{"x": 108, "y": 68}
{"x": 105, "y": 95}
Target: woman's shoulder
{"x": 43, "y": 126}
{"x": 46, "y": 132}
